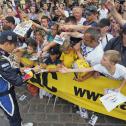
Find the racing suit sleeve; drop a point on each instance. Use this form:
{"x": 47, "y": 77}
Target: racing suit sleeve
{"x": 10, "y": 74}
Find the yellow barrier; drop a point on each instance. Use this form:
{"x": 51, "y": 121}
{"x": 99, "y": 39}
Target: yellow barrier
{"x": 86, "y": 94}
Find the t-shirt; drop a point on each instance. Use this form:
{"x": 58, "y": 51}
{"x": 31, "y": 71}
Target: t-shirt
{"x": 103, "y": 13}
{"x": 94, "y": 55}
{"x": 120, "y": 71}
{"x": 93, "y": 23}
{"x": 82, "y": 20}
{"x": 69, "y": 58}
{"x": 50, "y": 62}
{"x": 66, "y": 13}
{"x": 106, "y": 39}
{"x": 17, "y": 20}
{"x": 50, "y": 37}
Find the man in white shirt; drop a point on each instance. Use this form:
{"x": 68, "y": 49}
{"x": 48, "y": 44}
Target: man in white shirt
{"x": 90, "y": 48}
{"x": 104, "y": 25}
{"x": 103, "y": 12}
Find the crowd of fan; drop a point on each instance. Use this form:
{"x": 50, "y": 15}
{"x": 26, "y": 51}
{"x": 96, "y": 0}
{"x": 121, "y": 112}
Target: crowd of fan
{"x": 94, "y": 31}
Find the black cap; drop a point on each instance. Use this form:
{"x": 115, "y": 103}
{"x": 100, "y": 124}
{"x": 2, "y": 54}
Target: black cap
{"x": 10, "y": 19}
{"x": 92, "y": 8}
{"x": 8, "y": 36}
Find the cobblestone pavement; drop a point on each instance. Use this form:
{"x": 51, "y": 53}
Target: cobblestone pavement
{"x": 37, "y": 111}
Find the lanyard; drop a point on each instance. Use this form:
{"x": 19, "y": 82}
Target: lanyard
{"x": 86, "y": 51}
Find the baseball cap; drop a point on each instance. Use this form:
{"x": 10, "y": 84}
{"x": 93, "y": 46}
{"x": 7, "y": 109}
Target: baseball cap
{"x": 90, "y": 10}
{"x": 8, "y": 36}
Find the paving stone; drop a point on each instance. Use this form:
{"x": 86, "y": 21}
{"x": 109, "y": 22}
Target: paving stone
{"x": 25, "y": 108}
{"x": 33, "y": 108}
{"x": 101, "y": 118}
{"x": 71, "y": 124}
{"x": 40, "y": 108}
{"x": 84, "y": 125}
{"x": 45, "y": 124}
{"x": 77, "y": 118}
{"x": 114, "y": 120}
{"x": 67, "y": 108}
{"x": 36, "y": 100}
{"x": 49, "y": 108}
{"x": 41, "y": 117}
{"x": 3, "y": 122}
{"x": 52, "y": 117}
{"x": 65, "y": 117}
{"x": 58, "y": 124}
{"x": 36, "y": 110}
{"x": 108, "y": 124}
{"x": 1, "y": 113}
{"x": 58, "y": 108}
{"x": 29, "y": 117}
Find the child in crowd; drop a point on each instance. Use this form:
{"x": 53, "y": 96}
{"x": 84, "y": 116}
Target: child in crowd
{"x": 109, "y": 67}
{"x": 52, "y": 64}
{"x": 68, "y": 55}
{"x": 29, "y": 54}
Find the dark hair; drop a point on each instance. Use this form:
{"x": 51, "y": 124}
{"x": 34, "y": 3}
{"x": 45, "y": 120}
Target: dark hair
{"x": 45, "y": 17}
{"x": 94, "y": 33}
{"x": 71, "y": 19}
{"x": 37, "y": 22}
{"x": 41, "y": 32}
{"x": 10, "y": 19}
{"x": 123, "y": 31}
{"x": 54, "y": 51}
{"x": 31, "y": 42}
{"x": 104, "y": 22}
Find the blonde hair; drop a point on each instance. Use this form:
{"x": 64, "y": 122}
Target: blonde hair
{"x": 115, "y": 56}
{"x": 80, "y": 9}
{"x": 65, "y": 45}
{"x": 41, "y": 32}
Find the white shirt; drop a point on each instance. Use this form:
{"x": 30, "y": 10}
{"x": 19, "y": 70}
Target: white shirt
{"x": 17, "y": 20}
{"x": 82, "y": 20}
{"x": 66, "y": 13}
{"x": 103, "y": 13}
{"x": 106, "y": 39}
{"x": 94, "y": 57}
{"x": 120, "y": 71}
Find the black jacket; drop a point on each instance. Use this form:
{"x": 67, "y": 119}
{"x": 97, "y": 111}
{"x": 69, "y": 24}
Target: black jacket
{"x": 117, "y": 44}
{"x": 11, "y": 75}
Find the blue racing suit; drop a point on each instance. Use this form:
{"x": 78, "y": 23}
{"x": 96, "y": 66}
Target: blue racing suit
{"x": 9, "y": 77}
